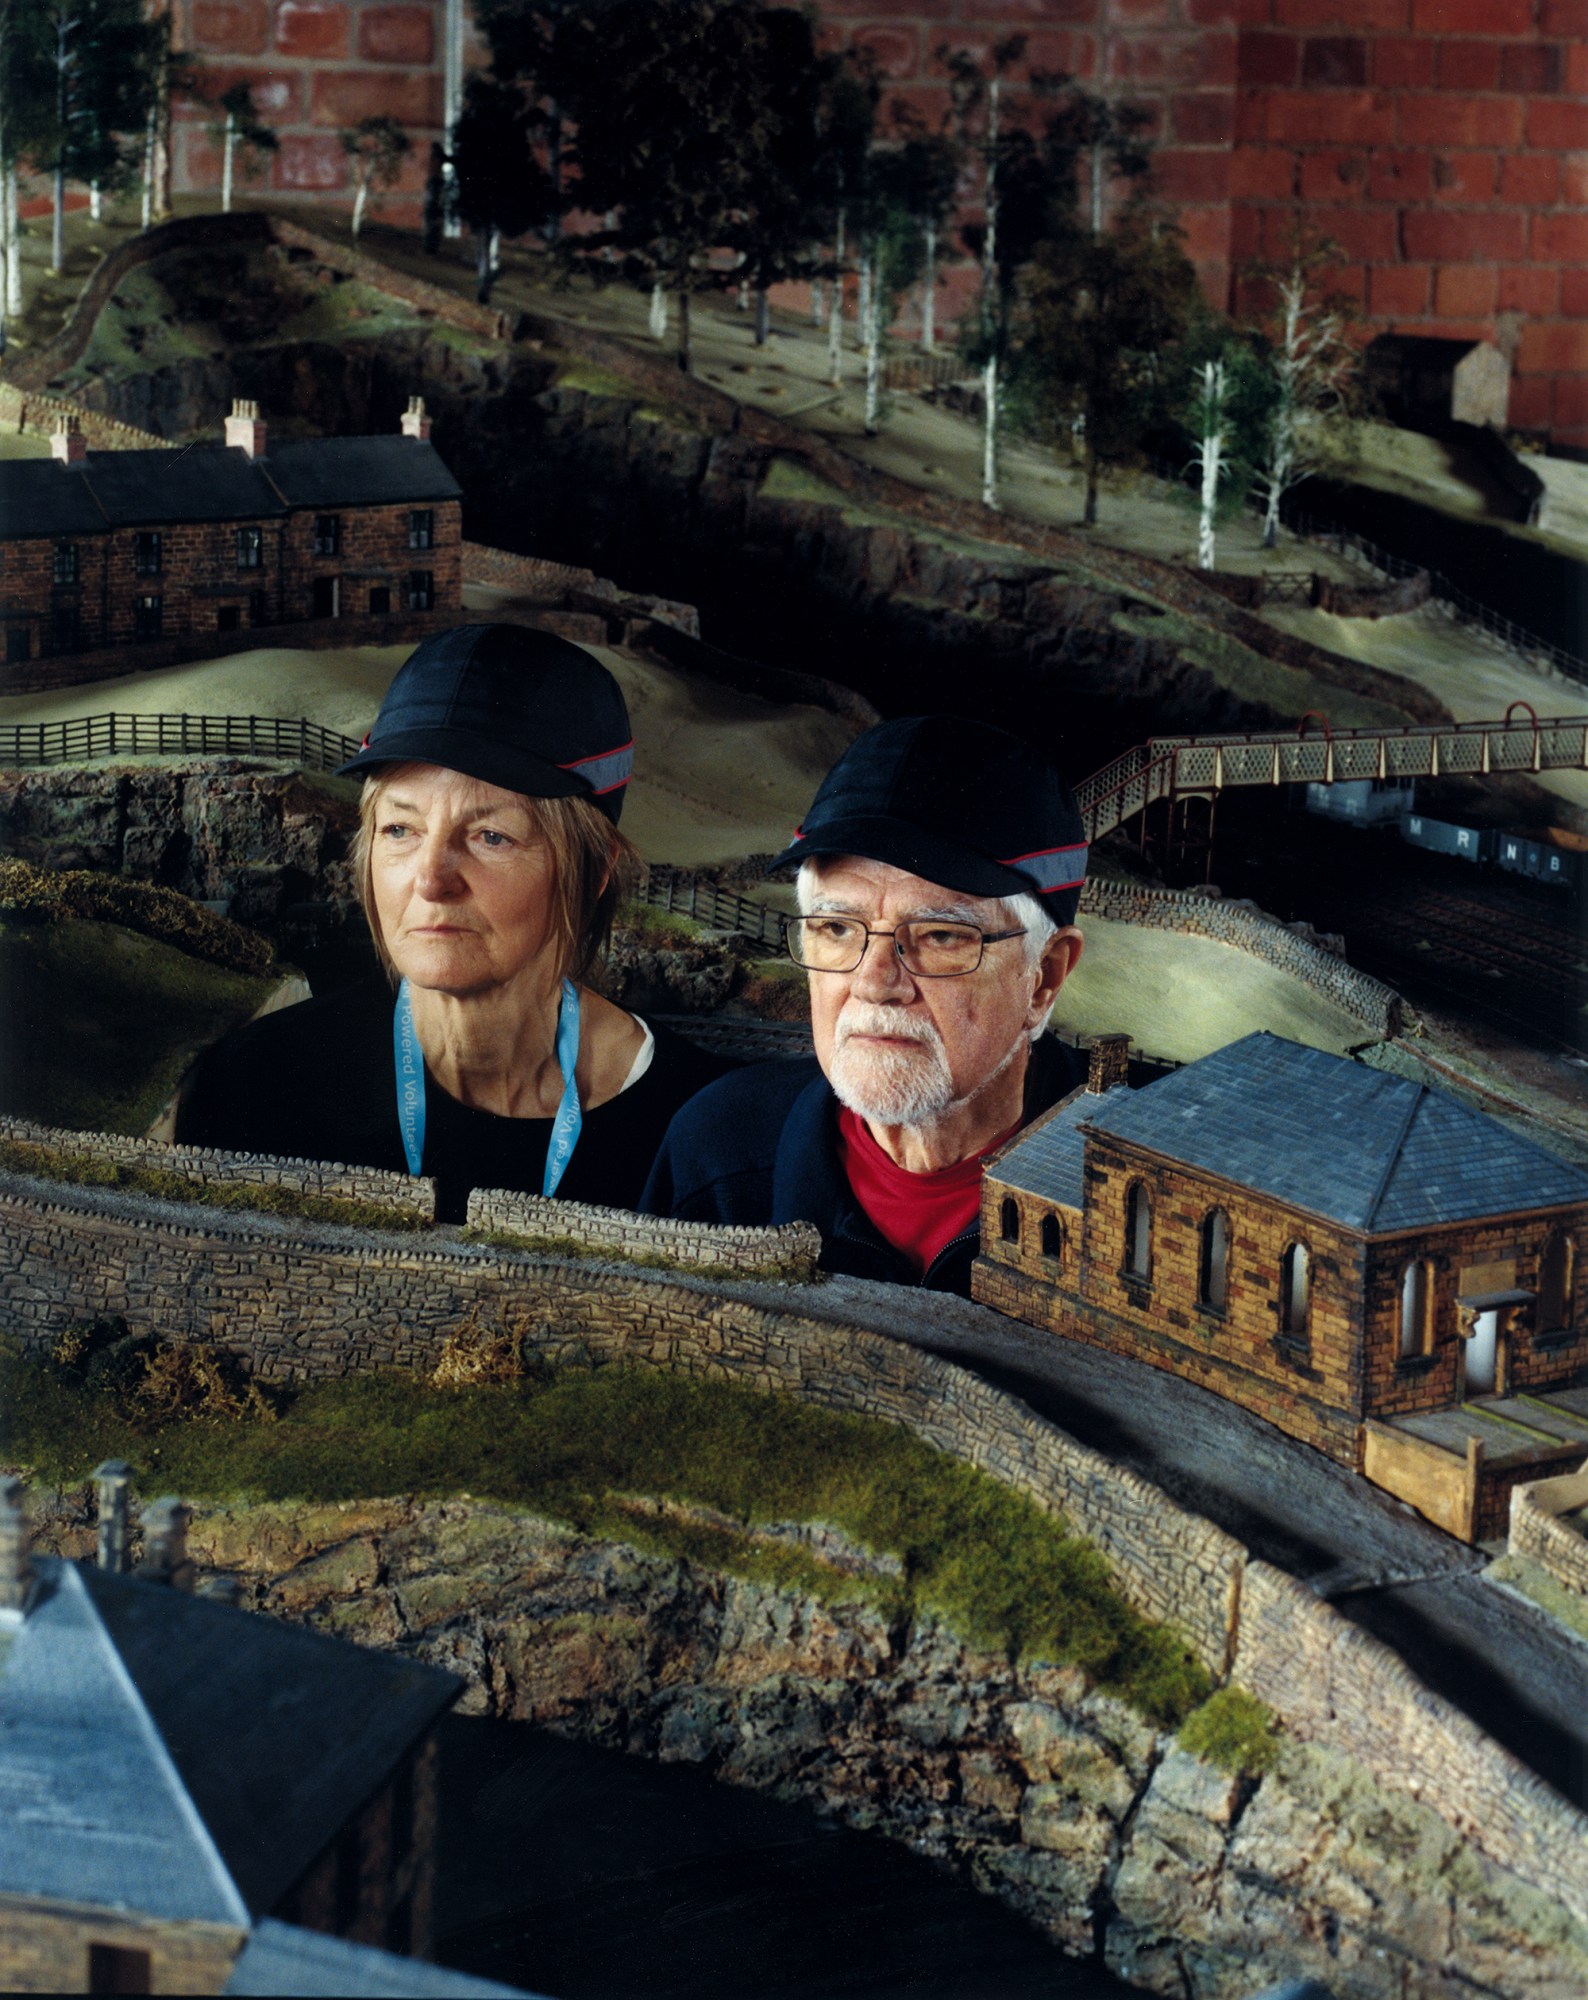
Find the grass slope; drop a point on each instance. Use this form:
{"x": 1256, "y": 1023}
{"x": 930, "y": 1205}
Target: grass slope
{"x": 585, "y": 1447}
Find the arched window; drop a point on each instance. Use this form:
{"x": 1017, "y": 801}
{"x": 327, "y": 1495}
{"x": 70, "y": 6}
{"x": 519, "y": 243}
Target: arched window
{"x": 1557, "y": 1274}
{"x": 1138, "y": 1231}
{"x": 1417, "y": 1309}
{"x": 1052, "y": 1237}
{"x": 1009, "y": 1222}
{"x": 1213, "y": 1267}
{"x": 1295, "y": 1291}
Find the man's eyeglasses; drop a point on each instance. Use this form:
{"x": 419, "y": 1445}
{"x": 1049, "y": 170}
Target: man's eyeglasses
{"x": 928, "y": 948}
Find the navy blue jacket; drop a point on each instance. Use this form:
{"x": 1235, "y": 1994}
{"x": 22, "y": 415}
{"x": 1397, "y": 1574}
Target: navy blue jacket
{"x": 761, "y": 1146}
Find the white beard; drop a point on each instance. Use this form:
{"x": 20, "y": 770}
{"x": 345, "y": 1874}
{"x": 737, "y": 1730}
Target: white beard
{"x": 905, "y": 1083}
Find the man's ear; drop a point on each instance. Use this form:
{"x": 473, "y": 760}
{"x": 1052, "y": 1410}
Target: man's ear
{"x": 1060, "y": 956}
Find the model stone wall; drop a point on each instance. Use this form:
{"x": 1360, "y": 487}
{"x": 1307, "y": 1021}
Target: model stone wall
{"x": 1248, "y": 928}
{"x": 36, "y": 414}
{"x": 1537, "y": 1529}
{"x": 1334, "y": 1683}
{"x": 790, "y": 1249}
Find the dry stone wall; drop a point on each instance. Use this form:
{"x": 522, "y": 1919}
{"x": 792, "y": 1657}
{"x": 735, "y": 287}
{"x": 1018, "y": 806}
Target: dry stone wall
{"x": 790, "y": 1249}
{"x": 1242, "y": 924}
{"x": 1537, "y": 1529}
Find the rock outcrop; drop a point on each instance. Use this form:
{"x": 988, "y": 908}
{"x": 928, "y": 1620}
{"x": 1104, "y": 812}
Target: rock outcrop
{"x": 1057, "y": 1799}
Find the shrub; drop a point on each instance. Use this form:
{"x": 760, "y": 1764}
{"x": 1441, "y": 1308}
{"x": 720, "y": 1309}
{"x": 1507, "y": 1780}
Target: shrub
{"x": 39, "y": 895}
{"x": 1233, "y": 1730}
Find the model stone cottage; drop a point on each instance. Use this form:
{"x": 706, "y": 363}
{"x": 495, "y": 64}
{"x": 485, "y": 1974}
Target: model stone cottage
{"x": 1363, "y": 1261}
{"x": 191, "y": 1795}
{"x": 102, "y": 549}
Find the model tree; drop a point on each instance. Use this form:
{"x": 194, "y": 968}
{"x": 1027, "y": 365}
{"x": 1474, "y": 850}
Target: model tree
{"x": 1225, "y": 410}
{"x": 846, "y": 124}
{"x": 672, "y": 119}
{"x": 96, "y": 56}
{"x": 501, "y": 189}
{"x": 170, "y": 73}
{"x": 773, "y": 233}
{"x": 1314, "y": 364}
{"x": 1098, "y": 316}
{"x": 890, "y": 244}
{"x": 244, "y": 138}
{"x": 541, "y": 44}
{"x": 377, "y": 147}
{"x": 929, "y": 171}
{"x": 26, "y": 93}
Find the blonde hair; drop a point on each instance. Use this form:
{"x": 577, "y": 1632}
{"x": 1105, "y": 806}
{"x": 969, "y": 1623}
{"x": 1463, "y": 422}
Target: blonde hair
{"x": 594, "y": 868}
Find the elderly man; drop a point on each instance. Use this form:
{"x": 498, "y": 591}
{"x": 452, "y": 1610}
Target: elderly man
{"x": 939, "y": 871}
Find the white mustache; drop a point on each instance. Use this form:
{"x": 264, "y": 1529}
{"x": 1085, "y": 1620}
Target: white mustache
{"x": 866, "y": 1017}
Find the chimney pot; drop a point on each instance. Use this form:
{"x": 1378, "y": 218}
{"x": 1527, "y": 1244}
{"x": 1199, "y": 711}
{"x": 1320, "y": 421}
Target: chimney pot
{"x": 16, "y": 1568}
{"x": 245, "y": 428}
{"x": 69, "y": 445}
{"x": 112, "y": 1486}
{"x": 415, "y": 422}
{"x": 165, "y": 1557}
{"x": 1107, "y": 1062}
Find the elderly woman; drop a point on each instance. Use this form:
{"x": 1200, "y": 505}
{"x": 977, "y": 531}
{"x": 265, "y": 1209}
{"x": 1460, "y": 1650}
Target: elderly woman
{"x": 489, "y": 865}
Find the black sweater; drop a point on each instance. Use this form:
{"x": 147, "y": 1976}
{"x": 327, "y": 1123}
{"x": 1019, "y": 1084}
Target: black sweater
{"x": 315, "y": 1082}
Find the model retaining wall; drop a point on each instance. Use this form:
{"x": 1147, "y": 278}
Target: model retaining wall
{"x": 39, "y": 415}
{"x": 1242, "y": 924}
{"x": 307, "y": 1301}
{"x": 789, "y": 1249}
{"x": 1538, "y": 1531}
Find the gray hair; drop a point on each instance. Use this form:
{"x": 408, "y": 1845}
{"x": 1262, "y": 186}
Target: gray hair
{"x": 1021, "y": 912}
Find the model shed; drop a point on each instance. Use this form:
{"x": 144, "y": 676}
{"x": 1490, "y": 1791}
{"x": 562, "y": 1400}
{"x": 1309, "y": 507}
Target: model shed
{"x": 1362, "y": 1260}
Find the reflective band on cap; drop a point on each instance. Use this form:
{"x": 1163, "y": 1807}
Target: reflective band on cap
{"x": 606, "y": 773}
{"x": 1053, "y": 868}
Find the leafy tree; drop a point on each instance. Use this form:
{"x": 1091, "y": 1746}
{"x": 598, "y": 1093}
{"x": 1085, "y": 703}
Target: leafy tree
{"x": 929, "y": 169}
{"x": 26, "y": 101}
{"x": 377, "y": 147}
{"x": 773, "y": 233}
{"x": 673, "y": 121}
{"x": 846, "y": 126}
{"x": 90, "y": 60}
{"x": 890, "y": 243}
{"x": 1109, "y": 138}
{"x": 1225, "y": 410}
{"x": 244, "y": 137}
{"x": 501, "y": 189}
{"x": 1099, "y": 314}
{"x": 1314, "y": 364}
{"x": 170, "y": 73}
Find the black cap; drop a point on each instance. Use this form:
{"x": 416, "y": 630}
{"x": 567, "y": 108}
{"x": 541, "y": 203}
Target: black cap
{"x": 517, "y": 708}
{"x": 958, "y": 802}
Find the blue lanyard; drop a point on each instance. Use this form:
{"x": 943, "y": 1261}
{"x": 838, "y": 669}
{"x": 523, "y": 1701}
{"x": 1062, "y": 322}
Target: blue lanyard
{"x": 409, "y": 1061}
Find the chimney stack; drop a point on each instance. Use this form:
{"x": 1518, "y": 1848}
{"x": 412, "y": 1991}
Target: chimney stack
{"x": 68, "y": 444}
{"x": 112, "y": 1487}
{"x": 245, "y": 428}
{"x": 16, "y": 1569}
{"x": 1107, "y": 1062}
{"x": 165, "y": 1558}
{"x": 415, "y": 423}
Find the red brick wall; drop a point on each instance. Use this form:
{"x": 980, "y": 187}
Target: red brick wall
{"x": 1444, "y": 143}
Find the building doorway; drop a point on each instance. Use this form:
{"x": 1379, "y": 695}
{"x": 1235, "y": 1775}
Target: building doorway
{"x": 327, "y": 597}
{"x": 1481, "y": 1356}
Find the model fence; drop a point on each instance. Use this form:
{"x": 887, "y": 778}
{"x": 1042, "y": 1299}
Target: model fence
{"x": 706, "y": 903}
{"x": 79, "y": 738}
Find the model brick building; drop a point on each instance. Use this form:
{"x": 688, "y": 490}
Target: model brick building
{"x": 1359, "y": 1259}
{"x": 173, "y": 1769}
{"x": 164, "y": 549}
{"x": 1442, "y": 143}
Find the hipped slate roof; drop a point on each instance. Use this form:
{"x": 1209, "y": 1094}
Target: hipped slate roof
{"x": 186, "y": 1759}
{"x": 215, "y": 482}
{"x": 1373, "y": 1152}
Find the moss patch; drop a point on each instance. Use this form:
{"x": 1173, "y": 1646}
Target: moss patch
{"x": 97, "y": 1023}
{"x": 1234, "y": 1730}
{"x": 43, "y": 895}
{"x": 581, "y": 1445}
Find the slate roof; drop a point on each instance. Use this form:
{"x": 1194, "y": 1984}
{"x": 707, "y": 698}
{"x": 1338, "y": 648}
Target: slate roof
{"x": 1374, "y": 1152}
{"x": 168, "y": 1754}
{"x": 281, "y": 1958}
{"x": 1047, "y": 1158}
{"x": 215, "y": 482}
{"x": 359, "y": 471}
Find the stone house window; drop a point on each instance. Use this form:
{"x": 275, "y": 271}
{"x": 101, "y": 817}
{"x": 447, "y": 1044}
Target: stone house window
{"x": 250, "y": 548}
{"x": 65, "y": 568}
{"x": 1053, "y": 1238}
{"x": 147, "y": 553}
{"x": 1138, "y": 1231}
{"x": 327, "y": 534}
{"x": 379, "y": 600}
{"x": 147, "y": 617}
{"x": 1213, "y": 1261}
{"x": 1009, "y": 1222}
{"x": 1417, "y": 1309}
{"x": 421, "y": 589}
{"x": 422, "y": 528}
{"x": 19, "y": 644}
{"x": 1557, "y": 1274}
{"x": 114, "y": 1969}
{"x": 1295, "y": 1292}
